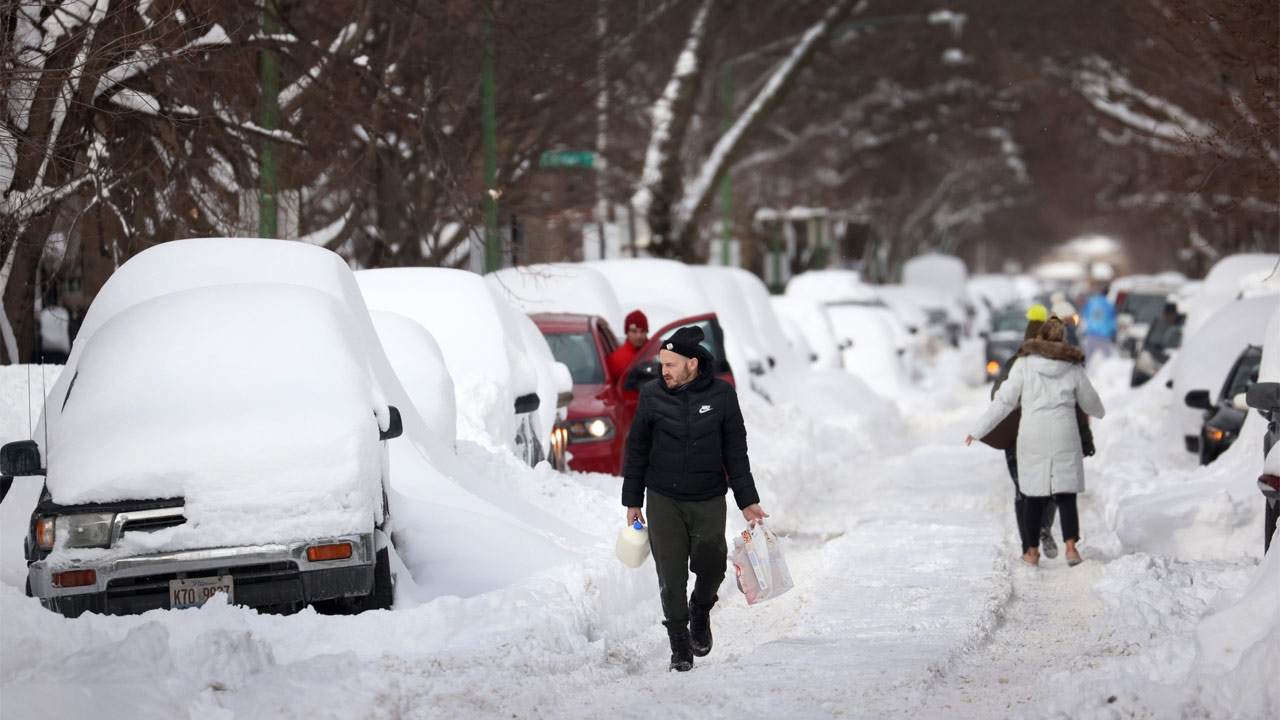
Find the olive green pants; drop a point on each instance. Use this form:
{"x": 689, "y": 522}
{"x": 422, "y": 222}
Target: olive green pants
{"x": 684, "y": 536}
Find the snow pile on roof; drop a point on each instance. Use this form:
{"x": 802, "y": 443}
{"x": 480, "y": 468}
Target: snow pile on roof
{"x": 560, "y": 288}
{"x": 831, "y": 286}
{"x": 941, "y": 272}
{"x": 665, "y": 290}
{"x": 246, "y": 401}
{"x": 1223, "y": 283}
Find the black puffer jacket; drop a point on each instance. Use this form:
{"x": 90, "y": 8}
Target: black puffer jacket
{"x": 684, "y": 442}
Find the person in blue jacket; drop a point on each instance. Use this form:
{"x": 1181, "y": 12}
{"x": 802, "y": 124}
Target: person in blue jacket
{"x": 1099, "y": 319}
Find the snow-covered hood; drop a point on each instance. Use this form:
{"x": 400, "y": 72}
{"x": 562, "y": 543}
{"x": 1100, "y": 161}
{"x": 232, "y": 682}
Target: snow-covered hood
{"x": 251, "y": 402}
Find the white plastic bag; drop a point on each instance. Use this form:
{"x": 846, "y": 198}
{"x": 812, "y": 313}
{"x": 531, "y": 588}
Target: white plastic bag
{"x": 761, "y": 569}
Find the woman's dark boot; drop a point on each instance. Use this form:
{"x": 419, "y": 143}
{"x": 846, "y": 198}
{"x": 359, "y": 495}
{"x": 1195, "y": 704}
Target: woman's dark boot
{"x": 700, "y": 627}
{"x": 681, "y": 649}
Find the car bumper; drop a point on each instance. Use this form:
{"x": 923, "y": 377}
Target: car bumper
{"x": 596, "y": 457}
{"x": 273, "y": 574}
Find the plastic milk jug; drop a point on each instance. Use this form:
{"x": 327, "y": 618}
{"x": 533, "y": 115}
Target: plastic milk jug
{"x": 633, "y": 544}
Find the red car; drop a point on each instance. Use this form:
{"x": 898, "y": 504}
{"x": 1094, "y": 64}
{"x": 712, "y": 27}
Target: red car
{"x": 599, "y": 417}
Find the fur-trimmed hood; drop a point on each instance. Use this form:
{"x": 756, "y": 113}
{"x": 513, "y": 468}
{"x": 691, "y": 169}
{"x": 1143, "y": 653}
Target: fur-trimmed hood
{"x": 1052, "y": 350}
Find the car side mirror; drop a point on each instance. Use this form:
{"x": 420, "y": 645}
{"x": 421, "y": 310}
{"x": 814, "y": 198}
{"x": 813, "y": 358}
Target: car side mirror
{"x": 640, "y": 374}
{"x": 1261, "y": 396}
{"x": 1198, "y": 399}
{"x": 21, "y": 457}
{"x": 395, "y": 426}
{"x": 528, "y": 403}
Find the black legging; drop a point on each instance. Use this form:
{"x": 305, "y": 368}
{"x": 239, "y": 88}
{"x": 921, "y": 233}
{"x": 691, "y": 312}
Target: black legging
{"x": 1046, "y": 517}
{"x": 1033, "y": 507}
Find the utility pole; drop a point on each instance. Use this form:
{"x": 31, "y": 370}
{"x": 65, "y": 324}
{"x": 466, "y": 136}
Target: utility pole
{"x": 488, "y": 123}
{"x": 726, "y": 190}
{"x": 270, "y": 118}
{"x": 601, "y": 163}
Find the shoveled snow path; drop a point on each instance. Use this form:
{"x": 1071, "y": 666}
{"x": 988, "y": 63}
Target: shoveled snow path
{"x": 900, "y": 573}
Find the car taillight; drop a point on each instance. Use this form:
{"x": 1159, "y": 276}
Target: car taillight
{"x": 318, "y": 553}
{"x": 75, "y": 578}
{"x": 1269, "y": 482}
{"x": 993, "y": 367}
{"x": 44, "y": 532}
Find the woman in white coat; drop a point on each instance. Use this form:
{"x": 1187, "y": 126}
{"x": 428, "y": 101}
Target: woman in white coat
{"x": 1048, "y": 381}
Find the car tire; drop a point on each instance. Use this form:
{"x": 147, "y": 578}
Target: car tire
{"x": 383, "y": 594}
{"x": 1269, "y": 523}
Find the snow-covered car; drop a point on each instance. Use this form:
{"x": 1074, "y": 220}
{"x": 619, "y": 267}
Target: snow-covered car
{"x": 182, "y": 465}
{"x": 508, "y": 380}
{"x": 845, "y": 288}
{"x": 1207, "y": 356}
{"x": 809, "y": 319}
{"x": 1224, "y": 412}
{"x": 1264, "y": 396}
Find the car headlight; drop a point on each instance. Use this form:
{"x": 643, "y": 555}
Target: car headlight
{"x": 1213, "y": 433}
{"x": 594, "y": 429}
{"x": 87, "y": 530}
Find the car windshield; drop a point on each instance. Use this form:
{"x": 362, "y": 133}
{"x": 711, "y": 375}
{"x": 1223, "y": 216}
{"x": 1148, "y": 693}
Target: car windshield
{"x": 1246, "y": 373}
{"x": 1013, "y": 322}
{"x": 1143, "y": 307}
{"x": 578, "y": 352}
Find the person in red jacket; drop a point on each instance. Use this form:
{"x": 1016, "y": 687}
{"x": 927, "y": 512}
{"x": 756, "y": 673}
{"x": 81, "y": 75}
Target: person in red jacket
{"x": 637, "y": 326}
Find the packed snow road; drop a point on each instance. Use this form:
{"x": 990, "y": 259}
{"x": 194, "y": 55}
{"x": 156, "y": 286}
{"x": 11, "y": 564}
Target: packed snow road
{"x": 909, "y": 600}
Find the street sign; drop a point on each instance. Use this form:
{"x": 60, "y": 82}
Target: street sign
{"x": 572, "y": 159}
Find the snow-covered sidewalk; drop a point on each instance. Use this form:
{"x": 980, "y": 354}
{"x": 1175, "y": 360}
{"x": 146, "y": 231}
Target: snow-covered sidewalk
{"x": 909, "y": 602}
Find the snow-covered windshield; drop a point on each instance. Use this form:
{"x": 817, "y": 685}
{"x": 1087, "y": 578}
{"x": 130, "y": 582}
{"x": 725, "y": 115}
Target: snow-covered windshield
{"x": 578, "y": 352}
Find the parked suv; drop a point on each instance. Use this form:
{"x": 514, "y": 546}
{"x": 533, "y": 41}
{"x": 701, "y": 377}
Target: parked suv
{"x": 225, "y": 439}
{"x": 603, "y": 406}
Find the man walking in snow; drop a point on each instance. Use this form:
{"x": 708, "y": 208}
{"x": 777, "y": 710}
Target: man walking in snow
{"x": 687, "y": 437}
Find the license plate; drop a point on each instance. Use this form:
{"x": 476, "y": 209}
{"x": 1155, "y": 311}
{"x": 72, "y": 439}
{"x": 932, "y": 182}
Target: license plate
{"x": 193, "y": 592}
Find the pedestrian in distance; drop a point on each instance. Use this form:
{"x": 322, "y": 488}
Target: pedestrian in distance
{"x": 1048, "y": 382}
{"x": 637, "y": 329}
{"x": 687, "y": 439}
{"x": 1099, "y": 318}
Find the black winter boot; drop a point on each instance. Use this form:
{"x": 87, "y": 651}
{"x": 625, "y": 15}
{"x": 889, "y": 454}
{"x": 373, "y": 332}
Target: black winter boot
{"x": 681, "y": 649}
{"x": 700, "y": 627}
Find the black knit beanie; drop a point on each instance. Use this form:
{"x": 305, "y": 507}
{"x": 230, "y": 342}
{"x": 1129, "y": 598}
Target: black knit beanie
{"x": 686, "y": 341}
